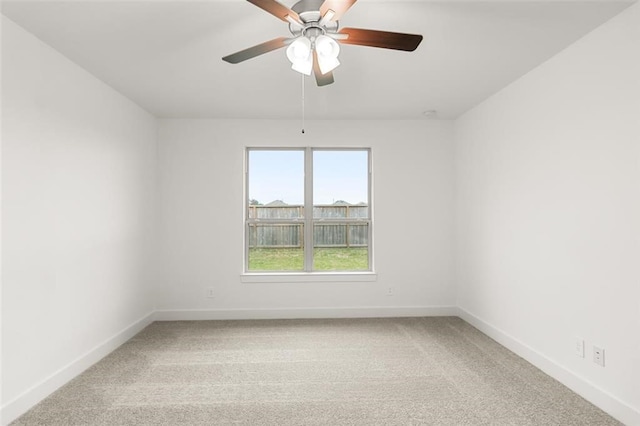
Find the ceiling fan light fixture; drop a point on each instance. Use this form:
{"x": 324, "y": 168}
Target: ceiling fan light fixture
{"x": 303, "y": 67}
{"x": 327, "y": 47}
{"x": 327, "y": 64}
{"x": 299, "y": 54}
{"x": 328, "y": 50}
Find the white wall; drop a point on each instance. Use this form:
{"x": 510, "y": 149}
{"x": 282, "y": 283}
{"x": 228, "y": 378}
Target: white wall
{"x": 201, "y": 181}
{"x": 78, "y": 188}
{"x": 548, "y": 223}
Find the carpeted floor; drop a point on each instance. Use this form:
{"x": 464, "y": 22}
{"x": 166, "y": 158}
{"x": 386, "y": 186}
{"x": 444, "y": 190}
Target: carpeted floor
{"x": 388, "y": 371}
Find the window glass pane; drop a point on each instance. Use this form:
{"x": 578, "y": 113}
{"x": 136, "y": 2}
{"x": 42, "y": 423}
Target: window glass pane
{"x": 276, "y": 247}
{"x": 341, "y": 247}
{"x": 340, "y": 184}
{"x": 276, "y": 184}
{"x": 339, "y": 228}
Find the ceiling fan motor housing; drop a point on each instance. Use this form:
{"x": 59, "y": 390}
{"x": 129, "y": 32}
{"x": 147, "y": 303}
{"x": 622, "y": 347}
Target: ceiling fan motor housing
{"x": 309, "y": 13}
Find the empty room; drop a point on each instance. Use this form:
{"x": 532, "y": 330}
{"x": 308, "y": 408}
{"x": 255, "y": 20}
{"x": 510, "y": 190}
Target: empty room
{"x": 320, "y": 212}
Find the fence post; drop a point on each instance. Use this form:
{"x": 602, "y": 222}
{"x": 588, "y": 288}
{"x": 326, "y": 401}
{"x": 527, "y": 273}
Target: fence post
{"x": 300, "y": 234}
{"x": 347, "y": 236}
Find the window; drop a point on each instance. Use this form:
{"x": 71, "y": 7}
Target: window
{"x": 308, "y": 210}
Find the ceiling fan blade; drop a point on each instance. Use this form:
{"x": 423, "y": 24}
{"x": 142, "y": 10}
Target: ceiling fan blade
{"x": 321, "y": 79}
{"x": 278, "y": 10}
{"x": 257, "y": 50}
{"x": 338, "y": 6}
{"x": 383, "y": 39}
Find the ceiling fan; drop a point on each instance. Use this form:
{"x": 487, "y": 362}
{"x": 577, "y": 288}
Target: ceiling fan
{"x": 314, "y": 45}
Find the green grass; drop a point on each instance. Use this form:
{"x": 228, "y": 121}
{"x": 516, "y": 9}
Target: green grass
{"x": 341, "y": 259}
{"x": 276, "y": 259}
{"x": 324, "y": 259}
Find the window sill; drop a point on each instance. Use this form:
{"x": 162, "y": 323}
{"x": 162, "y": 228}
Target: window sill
{"x": 299, "y": 277}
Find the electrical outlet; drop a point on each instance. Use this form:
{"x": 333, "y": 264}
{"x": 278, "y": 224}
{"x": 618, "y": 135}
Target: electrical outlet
{"x": 211, "y": 292}
{"x": 579, "y": 348}
{"x": 598, "y": 356}
{"x": 390, "y": 291}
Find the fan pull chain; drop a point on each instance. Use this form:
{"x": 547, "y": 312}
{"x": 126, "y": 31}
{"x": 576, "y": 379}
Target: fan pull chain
{"x": 302, "y": 103}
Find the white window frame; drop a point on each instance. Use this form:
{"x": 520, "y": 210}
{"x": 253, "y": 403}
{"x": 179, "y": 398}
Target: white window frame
{"x": 308, "y": 221}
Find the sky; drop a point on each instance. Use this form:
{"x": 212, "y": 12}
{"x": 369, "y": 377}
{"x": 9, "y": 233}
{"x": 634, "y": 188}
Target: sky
{"x": 279, "y": 175}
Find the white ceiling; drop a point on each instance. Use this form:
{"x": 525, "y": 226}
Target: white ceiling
{"x": 166, "y": 55}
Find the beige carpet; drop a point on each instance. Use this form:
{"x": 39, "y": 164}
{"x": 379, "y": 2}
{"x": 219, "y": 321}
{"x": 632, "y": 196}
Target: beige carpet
{"x": 392, "y": 371}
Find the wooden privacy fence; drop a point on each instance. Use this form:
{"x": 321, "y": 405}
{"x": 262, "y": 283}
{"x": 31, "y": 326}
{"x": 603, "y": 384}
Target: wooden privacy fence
{"x": 335, "y": 233}
{"x": 332, "y": 211}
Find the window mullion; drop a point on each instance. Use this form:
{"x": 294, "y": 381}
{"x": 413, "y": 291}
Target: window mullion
{"x": 308, "y": 210}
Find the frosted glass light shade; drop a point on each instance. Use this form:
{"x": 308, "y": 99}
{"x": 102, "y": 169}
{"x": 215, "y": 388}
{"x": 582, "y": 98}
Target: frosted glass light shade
{"x": 328, "y": 50}
{"x": 299, "y": 53}
{"x": 327, "y": 64}
{"x": 303, "y": 67}
{"x": 327, "y": 47}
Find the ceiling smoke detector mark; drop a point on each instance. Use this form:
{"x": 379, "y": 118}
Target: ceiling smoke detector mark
{"x": 430, "y": 113}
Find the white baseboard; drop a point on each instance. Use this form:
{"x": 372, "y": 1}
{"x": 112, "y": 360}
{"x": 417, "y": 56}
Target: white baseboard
{"x": 588, "y": 390}
{"x": 299, "y": 313}
{"x": 21, "y": 404}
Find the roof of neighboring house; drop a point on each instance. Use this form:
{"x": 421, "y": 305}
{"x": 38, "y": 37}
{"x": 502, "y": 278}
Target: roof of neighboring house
{"x": 276, "y": 203}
